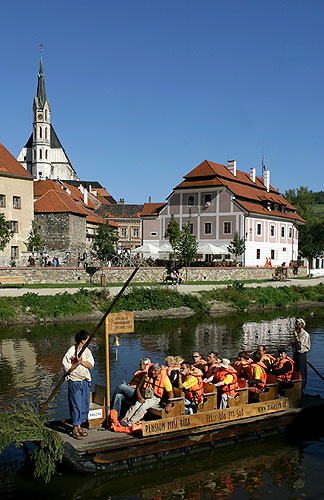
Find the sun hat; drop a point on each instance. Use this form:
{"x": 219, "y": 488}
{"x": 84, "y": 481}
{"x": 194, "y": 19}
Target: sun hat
{"x": 225, "y": 363}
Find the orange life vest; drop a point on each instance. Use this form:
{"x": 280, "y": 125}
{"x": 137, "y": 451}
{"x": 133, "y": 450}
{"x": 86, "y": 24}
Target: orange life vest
{"x": 250, "y": 374}
{"x": 156, "y": 383}
{"x": 267, "y": 360}
{"x": 195, "y": 393}
{"x": 241, "y": 366}
{"x": 209, "y": 369}
{"x": 200, "y": 364}
{"x": 229, "y": 389}
{"x": 138, "y": 375}
{"x": 285, "y": 377}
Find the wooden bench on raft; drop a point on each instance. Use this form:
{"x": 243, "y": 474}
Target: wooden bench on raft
{"x": 270, "y": 393}
{"x": 11, "y": 280}
{"x": 97, "y": 411}
{"x": 178, "y": 409}
{"x": 295, "y": 392}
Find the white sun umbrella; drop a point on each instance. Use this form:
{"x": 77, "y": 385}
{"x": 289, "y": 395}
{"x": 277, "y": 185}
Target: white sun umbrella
{"x": 146, "y": 249}
{"x": 209, "y": 248}
{"x": 166, "y": 248}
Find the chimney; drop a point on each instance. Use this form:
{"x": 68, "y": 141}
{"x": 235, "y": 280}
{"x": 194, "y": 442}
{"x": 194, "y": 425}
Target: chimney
{"x": 266, "y": 178}
{"x": 81, "y": 188}
{"x": 149, "y": 200}
{"x": 85, "y": 197}
{"x": 121, "y": 201}
{"x": 252, "y": 174}
{"x": 90, "y": 188}
{"x": 231, "y": 166}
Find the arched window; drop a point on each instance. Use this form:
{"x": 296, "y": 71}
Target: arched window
{"x": 34, "y": 133}
{"x": 40, "y": 154}
{"x": 45, "y": 154}
{"x": 46, "y": 114}
{"x": 40, "y": 132}
{"x": 45, "y": 132}
{"x": 34, "y": 154}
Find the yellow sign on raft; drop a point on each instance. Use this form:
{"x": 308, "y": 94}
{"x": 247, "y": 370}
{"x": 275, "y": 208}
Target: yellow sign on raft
{"x": 213, "y": 417}
{"x": 122, "y": 322}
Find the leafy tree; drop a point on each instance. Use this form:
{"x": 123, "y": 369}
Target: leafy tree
{"x": 6, "y": 233}
{"x": 104, "y": 243}
{"x": 34, "y": 240}
{"x": 173, "y": 233}
{"x": 237, "y": 245}
{"x": 186, "y": 246}
{"x": 311, "y": 235}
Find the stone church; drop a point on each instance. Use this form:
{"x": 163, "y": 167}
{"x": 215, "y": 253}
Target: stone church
{"x": 43, "y": 155}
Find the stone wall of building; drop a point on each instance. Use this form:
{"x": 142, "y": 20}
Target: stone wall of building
{"x": 66, "y": 275}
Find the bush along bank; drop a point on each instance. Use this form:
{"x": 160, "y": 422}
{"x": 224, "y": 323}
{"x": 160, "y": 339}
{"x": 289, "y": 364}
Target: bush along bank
{"x": 33, "y": 307}
{"x": 243, "y": 298}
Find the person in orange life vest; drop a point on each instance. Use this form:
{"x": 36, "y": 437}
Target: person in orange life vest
{"x": 283, "y": 369}
{"x": 266, "y": 359}
{"x": 257, "y": 377}
{"x": 191, "y": 382}
{"x": 198, "y": 362}
{"x": 149, "y": 393}
{"x": 125, "y": 392}
{"x": 211, "y": 367}
{"x": 172, "y": 369}
{"x": 242, "y": 363}
{"x": 225, "y": 381}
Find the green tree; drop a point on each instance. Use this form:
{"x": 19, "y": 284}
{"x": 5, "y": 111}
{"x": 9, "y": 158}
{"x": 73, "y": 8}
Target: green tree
{"x": 6, "y": 233}
{"x": 186, "y": 246}
{"x": 311, "y": 234}
{"x": 34, "y": 241}
{"x": 104, "y": 243}
{"x": 173, "y": 233}
{"x": 237, "y": 245}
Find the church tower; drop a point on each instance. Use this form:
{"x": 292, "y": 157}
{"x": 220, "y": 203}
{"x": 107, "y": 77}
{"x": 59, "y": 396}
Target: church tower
{"x": 43, "y": 155}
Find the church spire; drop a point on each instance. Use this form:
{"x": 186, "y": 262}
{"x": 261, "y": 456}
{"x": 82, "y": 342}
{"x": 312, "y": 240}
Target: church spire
{"x": 41, "y": 92}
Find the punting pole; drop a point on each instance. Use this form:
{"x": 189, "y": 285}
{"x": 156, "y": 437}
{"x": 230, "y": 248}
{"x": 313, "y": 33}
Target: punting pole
{"x": 112, "y": 305}
{"x": 313, "y": 368}
{"x": 107, "y": 372}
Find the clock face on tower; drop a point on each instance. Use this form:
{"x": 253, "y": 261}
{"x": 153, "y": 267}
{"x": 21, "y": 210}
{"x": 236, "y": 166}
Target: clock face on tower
{"x": 40, "y": 117}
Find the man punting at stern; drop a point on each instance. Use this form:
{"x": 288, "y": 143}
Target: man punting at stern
{"x": 242, "y": 363}
{"x": 256, "y": 374}
{"x": 225, "y": 381}
{"x": 149, "y": 393}
{"x": 198, "y": 362}
{"x": 283, "y": 368}
{"x": 211, "y": 367}
{"x": 266, "y": 359}
{"x": 192, "y": 385}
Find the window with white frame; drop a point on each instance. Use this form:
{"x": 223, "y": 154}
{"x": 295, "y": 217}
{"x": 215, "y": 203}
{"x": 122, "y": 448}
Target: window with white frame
{"x": 14, "y": 226}
{"x": 258, "y": 253}
{"x": 290, "y": 232}
{"x": 14, "y": 252}
{"x": 272, "y": 230}
{"x": 191, "y": 226}
{"x": 259, "y": 229}
{"x": 135, "y": 232}
{"x": 153, "y": 233}
{"x": 207, "y": 199}
{"x": 282, "y": 231}
{"x": 272, "y": 254}
{"x": 227, "y": 227}
{"x": 2, "y": 200}
{"x": 208, "y": 228}
{"x": 16, "y": 202}
{"x": 191, "y": 199}
{"x": 123, "y": 232}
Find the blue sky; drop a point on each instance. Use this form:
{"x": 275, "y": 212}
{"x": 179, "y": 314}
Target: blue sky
{"x": 141, "y": 92}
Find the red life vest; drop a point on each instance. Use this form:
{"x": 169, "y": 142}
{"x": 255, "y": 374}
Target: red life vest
{"x": 250, "y": 374}
{"x": 195, "y": 393}
{"x": 229, "y": 389}
{"x": 209, "y": 369}
{"x": 240, "y": 367}
{"x": 156, "y": 383}
{"x": 286, "y": 377}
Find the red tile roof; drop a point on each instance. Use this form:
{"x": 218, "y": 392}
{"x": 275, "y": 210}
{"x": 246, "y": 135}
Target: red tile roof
{"x": 10, "y": 166}
{"x": 259, "y": 209}
{"x": 41, "y": 187}
{"x": 152, "y": 208}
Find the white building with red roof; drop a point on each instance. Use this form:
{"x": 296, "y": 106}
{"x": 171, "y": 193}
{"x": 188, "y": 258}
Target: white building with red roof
{"x": 217, "y": 201}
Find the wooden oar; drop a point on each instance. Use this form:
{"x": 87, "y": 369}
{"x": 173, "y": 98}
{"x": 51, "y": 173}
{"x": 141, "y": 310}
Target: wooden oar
{"x": 313, "y": 368}
{"x": 51, "y": 396}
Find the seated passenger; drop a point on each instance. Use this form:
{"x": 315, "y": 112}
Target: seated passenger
{"x": 192, "y": 385}
{"x": 266, "y": 359}
{"x": 127, "y": 391}
{"x": 211, "y": 366}
{"x": 225, "y": 381}
{"x": 198, "y": 362}
{"x": 283, "y": 369}
{"x": 172, "y": 369}
{"x": 149, "y": 393}
{"x": 257, "y": 377}
{"x": 242, "y": 363}
{"x": 179, "y": 360}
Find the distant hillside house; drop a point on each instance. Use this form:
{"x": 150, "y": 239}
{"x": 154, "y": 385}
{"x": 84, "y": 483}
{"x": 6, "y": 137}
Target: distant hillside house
{"x": 43, "y": 156}
{"x": 217, "y": 200}
{"x": 16, "y": 203}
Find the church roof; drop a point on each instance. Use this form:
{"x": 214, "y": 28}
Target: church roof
{"x": 10, "y": 166}
{"x": 41, "y": 92}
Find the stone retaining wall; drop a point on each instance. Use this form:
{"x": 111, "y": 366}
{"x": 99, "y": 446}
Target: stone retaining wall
{"x": 66, "y": 275}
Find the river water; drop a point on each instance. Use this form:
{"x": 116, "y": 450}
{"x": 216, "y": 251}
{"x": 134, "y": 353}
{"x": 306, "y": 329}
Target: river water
{"x": 269, "y": 468}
